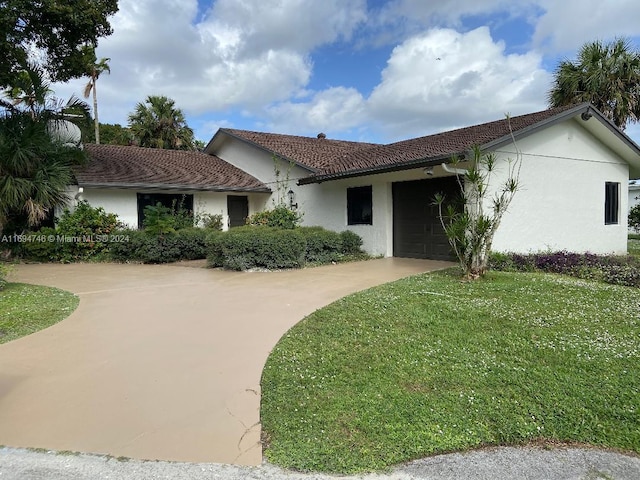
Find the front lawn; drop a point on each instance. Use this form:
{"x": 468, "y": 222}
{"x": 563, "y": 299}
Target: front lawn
{"x": 430, "y": 364}
{"x": 25, "y": 309}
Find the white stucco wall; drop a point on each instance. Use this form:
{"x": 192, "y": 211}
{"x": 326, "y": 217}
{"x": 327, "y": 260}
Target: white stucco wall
{"x": 124, "y": 202}
{"x": 324, "y": 204}
{"x": 560, "y": 205}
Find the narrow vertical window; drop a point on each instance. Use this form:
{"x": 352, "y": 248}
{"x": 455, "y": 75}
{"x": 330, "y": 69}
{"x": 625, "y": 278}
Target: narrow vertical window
{"x": 359, "y": 206}
{"x": 611, "y": 203}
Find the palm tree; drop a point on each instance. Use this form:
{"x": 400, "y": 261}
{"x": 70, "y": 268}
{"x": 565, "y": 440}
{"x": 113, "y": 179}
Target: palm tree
{"x": 158, "y": 124}
{"x": 94, "y": 71}
{"x": 607, "y": 75}
{"x": 30, "y": 91}
{"x": 35, "y": 168}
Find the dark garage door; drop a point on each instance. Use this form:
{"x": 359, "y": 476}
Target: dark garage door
{"x": 417, "y": 232}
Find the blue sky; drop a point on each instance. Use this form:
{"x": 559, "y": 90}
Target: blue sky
{"x": 376, "y": 71}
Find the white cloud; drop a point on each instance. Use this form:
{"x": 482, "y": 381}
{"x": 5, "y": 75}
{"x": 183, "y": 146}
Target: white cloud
{"x": 568, "y": 24}
{"x": 445, "y": 79}
{"x": 241, "y": 54}
{"x": 434, "y": 81}
{"x": 332, "y": 110}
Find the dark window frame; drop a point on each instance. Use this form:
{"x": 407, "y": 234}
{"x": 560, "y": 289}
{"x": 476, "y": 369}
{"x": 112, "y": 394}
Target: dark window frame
{"x": 360, "y": 205}
{"x": 612, "y": 203}
{"x": 145, "y": 199}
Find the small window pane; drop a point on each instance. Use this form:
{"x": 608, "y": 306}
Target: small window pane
{"x": 611, "y": 203}
{"x": 359, "y": 206}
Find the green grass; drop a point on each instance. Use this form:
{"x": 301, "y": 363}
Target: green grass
{"x": 25, "y": 309}
{"x": 430, "y": 364}
{"x": 634, "y": 246}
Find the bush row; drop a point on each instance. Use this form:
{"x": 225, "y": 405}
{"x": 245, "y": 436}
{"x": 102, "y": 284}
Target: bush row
{"x": 249, "y": 247}
{"x": 141, "y": 246}
{"x": 617, "y": 270}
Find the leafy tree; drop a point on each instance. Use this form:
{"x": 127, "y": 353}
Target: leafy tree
{"x": 115, "y": 134}
{"x": 58, "y": 28}
{"x": 158, "y": 124}
{"x": 94, "y": 70}
{"x": 605, "y": 74}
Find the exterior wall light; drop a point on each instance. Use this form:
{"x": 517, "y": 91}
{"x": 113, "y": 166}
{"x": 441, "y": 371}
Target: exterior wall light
{"x": 292, "y": 198}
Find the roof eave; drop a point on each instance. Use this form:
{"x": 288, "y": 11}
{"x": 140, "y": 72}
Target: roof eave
{"x": 169, "y": 186}
{"x": 583, "y": 108}
{"x": 363, "y": 172}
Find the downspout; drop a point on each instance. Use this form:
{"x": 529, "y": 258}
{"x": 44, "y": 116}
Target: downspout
{"x": 457, "y": 171}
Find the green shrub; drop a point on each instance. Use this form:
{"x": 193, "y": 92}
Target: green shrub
{"x": 158, "y": 220}
{"x": 193, "y": 243}
{"x": 617, "y": 270}
{"x": 249, "y": 247}
{"x": 215, "y": 256}
{"x": 634, "y": 218}
{"x": 131, "y": 246}
{"x": 278, "y": 217}
{"x": 141, "y": 246}
{"x": 81, "y": 234}
{"x": 42, "y": 246}
{"x": 323, "y": 246}
{"x": 351, "y": 242}
{"x": 210, "y": 221}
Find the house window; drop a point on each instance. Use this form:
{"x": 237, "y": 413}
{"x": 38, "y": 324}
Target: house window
{"x": 172, "y": 201}
{"x": 611, "y": 203}
{"x": 359, "y": 206}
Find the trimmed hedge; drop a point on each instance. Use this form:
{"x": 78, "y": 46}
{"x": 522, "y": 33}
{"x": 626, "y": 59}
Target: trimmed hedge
{"x": 617, "y": 270}
{"x": 248, "y": 247}
{"x": 243, "y": 248}
{"x": 138, "y": 245}
{"x": 322, "y": 246}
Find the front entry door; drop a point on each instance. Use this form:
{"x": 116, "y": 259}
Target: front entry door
{"x": 237, "y": 209}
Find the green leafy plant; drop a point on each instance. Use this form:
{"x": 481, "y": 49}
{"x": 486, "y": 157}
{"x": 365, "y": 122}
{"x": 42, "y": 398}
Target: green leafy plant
{"x": 279, "y": 217}
{"x": 158, "y": 220}
{"x": 140, "y": 246}
{"x": 634, "y": 218}
{"x": 471, "y": 225}
{"x": 323, "y": 246}
{"x": 351, "y": 242}
{"x": 81, "y": 234}
{"x": 209, "y": 221}
{"x": 248, "y": 247}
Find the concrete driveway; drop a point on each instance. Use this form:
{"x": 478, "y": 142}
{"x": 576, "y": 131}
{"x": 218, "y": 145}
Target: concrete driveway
{"x": 162, "y": 362}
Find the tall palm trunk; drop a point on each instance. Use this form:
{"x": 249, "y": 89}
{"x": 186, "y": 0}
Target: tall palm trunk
{"x": 95, "y": 110}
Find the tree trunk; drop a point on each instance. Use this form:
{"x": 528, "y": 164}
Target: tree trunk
{"x": 95, "y": 112}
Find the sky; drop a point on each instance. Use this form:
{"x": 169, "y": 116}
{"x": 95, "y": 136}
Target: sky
{"x": 363, "y": 70}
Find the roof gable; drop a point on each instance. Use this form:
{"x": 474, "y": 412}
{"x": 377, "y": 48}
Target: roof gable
{"x": 307, "y": 152}
{"x": 117, "y": 166}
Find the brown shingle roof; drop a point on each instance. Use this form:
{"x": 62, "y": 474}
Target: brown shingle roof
{"x": 308, "y": 152}
{"x": 437, "y": 146}
{"x": 138, "y": 167}
{"x": 328, "y": 159}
